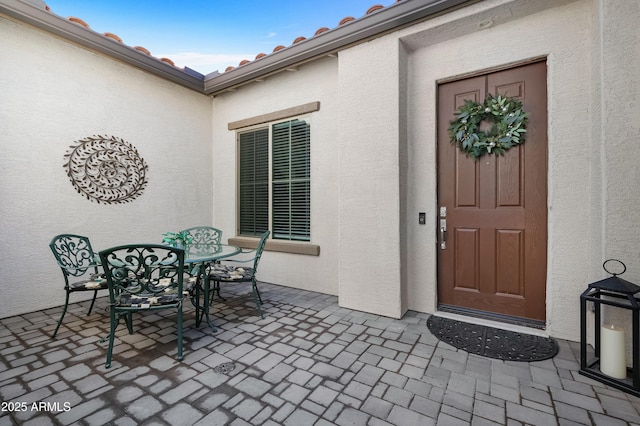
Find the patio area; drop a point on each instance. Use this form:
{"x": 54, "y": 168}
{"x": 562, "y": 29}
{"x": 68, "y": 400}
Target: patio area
{"x": 309, "y": 362}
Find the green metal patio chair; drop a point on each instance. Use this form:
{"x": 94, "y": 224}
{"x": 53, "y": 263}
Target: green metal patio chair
{"x": 202, "y": 236}
{"x": 79, "y": 266}
{"x": 237, "y": 273}
{"x": 143, "y": 277}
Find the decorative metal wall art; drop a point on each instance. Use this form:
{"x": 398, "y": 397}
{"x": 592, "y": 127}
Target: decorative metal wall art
{"x": 106, "y": 169}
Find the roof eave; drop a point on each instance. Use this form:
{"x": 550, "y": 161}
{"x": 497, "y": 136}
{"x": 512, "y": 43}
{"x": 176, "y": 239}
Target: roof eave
{"x": 383, "y": 21}
{"x": 47, "y": 21}
{"x": 388, "y": 19}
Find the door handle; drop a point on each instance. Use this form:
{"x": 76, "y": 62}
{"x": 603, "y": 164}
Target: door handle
{"x": 443, "y": 234}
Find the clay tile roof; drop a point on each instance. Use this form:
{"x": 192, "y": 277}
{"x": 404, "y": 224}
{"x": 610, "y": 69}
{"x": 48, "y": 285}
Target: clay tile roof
{"x": 346, "y": 20}
{"x": 142, "y": 49}
{"x": 375, "y": 8}
{"x": 319, "y": 31}
{"x": 78, "y": 21}
{"x": 113, "y": 36}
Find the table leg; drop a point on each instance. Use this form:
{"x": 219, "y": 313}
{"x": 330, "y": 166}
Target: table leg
{"x": 201, "y": 285}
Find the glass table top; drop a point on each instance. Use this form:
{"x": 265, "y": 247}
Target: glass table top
{"x": 208, "y": 252}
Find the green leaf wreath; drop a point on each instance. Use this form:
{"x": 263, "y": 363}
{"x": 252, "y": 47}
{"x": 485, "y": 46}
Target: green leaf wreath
{"x": 507, "y": 126}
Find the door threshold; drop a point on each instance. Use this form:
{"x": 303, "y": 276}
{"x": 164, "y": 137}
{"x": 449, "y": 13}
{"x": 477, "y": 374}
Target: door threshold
{"x": 503, "y": 322}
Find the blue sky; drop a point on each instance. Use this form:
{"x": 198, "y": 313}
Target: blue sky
{"x": 209, "y": 35}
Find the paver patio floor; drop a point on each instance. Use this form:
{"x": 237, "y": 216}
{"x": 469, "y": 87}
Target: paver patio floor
{"x": 309, "y": 362}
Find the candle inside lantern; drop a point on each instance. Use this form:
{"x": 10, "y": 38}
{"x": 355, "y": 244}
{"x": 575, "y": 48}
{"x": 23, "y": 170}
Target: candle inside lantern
{"x": 612, "y": 352}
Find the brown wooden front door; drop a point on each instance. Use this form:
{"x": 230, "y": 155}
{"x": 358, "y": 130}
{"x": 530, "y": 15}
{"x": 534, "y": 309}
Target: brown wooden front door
{"x": 495, "y": 261}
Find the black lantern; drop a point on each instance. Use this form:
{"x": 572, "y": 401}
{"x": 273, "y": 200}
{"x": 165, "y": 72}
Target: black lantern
{"x": 609, "y": 364}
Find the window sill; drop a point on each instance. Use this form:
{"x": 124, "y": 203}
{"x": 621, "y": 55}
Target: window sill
{"x": 279, "y": 246}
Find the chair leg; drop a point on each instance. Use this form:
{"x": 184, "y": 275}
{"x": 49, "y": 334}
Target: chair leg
{"x": 207, "y": 301}
{"x": 95, "y": 293}
{"x": 255, "y": 285}
{"x": 113, "y": 319}
{"x": 212, "y": 291}
{"x": 128, "y": 319}
{"x": 216, "y": 290}
{"x": 195, "y": 301}
{"x": 64, "y": 311}
{"x": 256, "y": 297}
{"x": 180, "y": 357}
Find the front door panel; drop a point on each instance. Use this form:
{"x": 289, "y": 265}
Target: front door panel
{"x": 494, "y": 259}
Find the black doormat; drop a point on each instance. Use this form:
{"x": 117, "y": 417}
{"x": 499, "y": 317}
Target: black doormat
{"x": 492, "y": 342}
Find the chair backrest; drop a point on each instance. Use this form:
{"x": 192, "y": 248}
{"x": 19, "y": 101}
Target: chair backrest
{"x": 149, "y": 270}
{"x": 203, "y": 236}
{"x": 74, "y": 254}
{"x": 259, "y": 249}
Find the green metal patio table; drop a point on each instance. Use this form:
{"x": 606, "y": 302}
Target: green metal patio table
{"x": 197, "y": 258}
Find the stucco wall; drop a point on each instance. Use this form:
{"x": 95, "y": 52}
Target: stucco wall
{"x": 372, "y": 152}
{"x": 384, "y": 172}
{"x": 370, "y": 222}
{"x": 592, "y": 93}
{"x": 310, "y": 83}
{"x": 591, "y": 51}
{"x": 618, "y": 63}
{"x": 53, "y": 93}
{"x": 561, "y": 35}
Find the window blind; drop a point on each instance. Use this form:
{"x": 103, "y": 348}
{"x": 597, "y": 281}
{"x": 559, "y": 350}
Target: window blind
{"x": 254, "y": 182}
{"x": 291, "y": 181}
